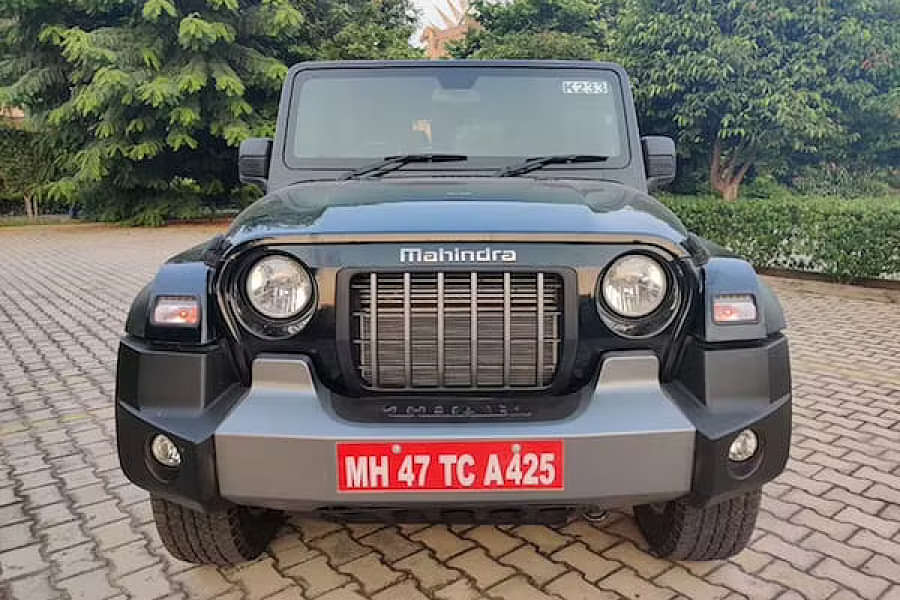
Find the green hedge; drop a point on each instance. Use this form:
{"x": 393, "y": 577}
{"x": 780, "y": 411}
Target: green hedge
{"x": 847, "y": 239}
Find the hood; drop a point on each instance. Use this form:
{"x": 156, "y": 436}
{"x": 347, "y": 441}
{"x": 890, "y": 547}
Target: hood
{"x": 512, "y": 209}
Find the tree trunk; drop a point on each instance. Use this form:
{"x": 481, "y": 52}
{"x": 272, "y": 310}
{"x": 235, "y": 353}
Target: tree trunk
{"x": 730, "y": 191}
{"x": 727, "y": 172}
{"x": 29, "y": 208}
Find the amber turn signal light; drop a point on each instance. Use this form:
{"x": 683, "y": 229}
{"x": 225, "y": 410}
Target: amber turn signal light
{"x": 176, "y": 311}
{"x": 734, "y": 308}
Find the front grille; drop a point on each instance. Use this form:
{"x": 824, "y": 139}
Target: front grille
{"x": 456, "y": 330}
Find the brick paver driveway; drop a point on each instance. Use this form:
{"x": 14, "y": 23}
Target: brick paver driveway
{"x": 72, "y": 526}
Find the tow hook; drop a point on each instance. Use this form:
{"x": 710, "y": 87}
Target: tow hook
{"x": 595, "y": 515}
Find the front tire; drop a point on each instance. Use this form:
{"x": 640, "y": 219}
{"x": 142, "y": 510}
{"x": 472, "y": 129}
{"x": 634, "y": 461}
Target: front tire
{"x": 225, "y": 537}
{"x": 679, "y": 531}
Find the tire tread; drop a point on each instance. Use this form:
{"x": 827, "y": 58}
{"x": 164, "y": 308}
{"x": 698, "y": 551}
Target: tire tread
{"x": 225, "y": 537}
{"x": 683, "y": 531}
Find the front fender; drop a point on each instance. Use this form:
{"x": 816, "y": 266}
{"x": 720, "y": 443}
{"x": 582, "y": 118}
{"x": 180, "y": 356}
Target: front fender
{"x": 194, "y": 279}
{"x": 771, "y": 308}
{"x": 725, "y": 273}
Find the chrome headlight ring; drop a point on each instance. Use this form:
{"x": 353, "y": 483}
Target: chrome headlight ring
{"x": 634, "y": 316}
{"x": 278, "y": 287}
{"x": 273, "y": 295}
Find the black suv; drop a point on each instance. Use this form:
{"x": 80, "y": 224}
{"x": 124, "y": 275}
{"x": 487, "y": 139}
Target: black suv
{"x": 456, "y": 302}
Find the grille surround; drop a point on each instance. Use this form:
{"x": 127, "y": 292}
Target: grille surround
{"x": 425, "y": 340}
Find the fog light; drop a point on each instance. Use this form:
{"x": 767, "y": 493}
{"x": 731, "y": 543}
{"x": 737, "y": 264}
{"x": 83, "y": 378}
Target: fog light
{"x": 165, "y": 451}
{"x": 744, "y": 446}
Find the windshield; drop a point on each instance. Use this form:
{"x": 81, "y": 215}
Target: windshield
{"x": 343, "y": 115}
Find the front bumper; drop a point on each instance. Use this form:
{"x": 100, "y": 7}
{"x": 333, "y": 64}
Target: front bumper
{"x": 631, "y": 440}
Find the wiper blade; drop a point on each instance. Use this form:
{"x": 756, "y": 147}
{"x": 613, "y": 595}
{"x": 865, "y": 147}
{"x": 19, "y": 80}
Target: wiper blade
{"x": 392, "y": 163}
{"x": 532, "y": 164}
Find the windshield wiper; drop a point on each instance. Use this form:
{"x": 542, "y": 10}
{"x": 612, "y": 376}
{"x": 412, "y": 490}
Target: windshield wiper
{"x": 392, "y": 163}
{"x": 532, "y": 164}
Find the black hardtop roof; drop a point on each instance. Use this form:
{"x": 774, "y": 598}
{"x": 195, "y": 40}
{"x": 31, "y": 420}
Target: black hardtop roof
{"x": 450, "y": 64}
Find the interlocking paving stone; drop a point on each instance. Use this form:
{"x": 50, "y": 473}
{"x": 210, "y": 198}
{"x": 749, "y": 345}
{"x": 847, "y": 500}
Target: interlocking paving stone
{"x": 202, "y": 583}
{"x": 371, "y": 572}
{"x": 538, "y": 568}
{"x": 495, "y": 541}
{"x": 573, "y": 587}
{"x": 406, "y": 590}
{"x": 461, "y": 589}
{"x": 14, "y": 536}
{"x": 443, "y": 542}
{"x": 518, "y": 588}
{"x": 426, "y": 569}
{"x": 479, "y": 566}
{"x": 259, "y": 578}
{"x": 590, "y": 565}
{"x": 593, "y": 537}
{"x": 631, "y": 585}
{"x": 21, "y": 561}
{"x": 339, "y": 547}
{"x": 391, "y": 544}
{"x": 690, "y": 585}
{"x": 92, "y": 585}
{"x": 33, "y": 587}
{"x": 316, "y": 576}
{"x": 289, "y": 550}
{"x": 637, "y": 559}
{"x": 72, "y": 527}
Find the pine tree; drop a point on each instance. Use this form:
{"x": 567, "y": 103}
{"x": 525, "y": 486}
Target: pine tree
{"x": 150, "y": 99}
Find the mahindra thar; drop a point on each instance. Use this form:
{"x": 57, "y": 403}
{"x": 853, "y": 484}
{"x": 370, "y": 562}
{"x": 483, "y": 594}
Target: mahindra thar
{"x": 456, "y": 302}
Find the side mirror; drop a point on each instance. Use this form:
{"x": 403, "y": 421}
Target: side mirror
{"x": 253, "y": 161}
{"x": 659, "y": 160}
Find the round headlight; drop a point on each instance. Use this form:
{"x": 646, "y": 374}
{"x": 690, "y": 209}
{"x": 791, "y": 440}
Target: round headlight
{"x": 279, "y": 287}
{"x": 634, "y": 286}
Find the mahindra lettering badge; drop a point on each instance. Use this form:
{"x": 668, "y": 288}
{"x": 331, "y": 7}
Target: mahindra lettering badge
{"x": 457, "y": 255}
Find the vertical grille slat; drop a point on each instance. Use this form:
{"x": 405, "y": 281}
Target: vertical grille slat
{"x": 373, "y": 326}
{"x": 407, "y": 334}
{"x": 440, "y": 328}
{"x": 452, "y": 330}
{"x": 473, "y": 328}
{"x": 539, "y": 367}
{"x": 507, "y": 327}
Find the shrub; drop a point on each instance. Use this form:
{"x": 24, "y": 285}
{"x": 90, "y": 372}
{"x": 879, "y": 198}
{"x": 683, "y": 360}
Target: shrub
{"x": 847, "y": 239}
{"x": 184, "y": 199}
{"x": 835, "y": 180}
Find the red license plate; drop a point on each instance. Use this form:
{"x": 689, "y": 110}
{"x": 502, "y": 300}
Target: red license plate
{"x": 446, "y": 466}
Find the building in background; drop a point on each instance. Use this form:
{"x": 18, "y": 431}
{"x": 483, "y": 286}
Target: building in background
{"x": 456, "y": 22}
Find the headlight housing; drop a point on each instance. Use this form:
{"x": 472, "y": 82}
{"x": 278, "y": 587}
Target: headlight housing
{"x": 638, "y": 295}
{"x": 278, "y": 287}
{"x": 634, "y": 286}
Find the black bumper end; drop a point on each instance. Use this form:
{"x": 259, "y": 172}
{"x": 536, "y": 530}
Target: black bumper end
{"x": 724, "y": 391}
{"x": 185, "y": 395}
{"x": 193, "y": 484}
{"x": 716, "y": 478}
